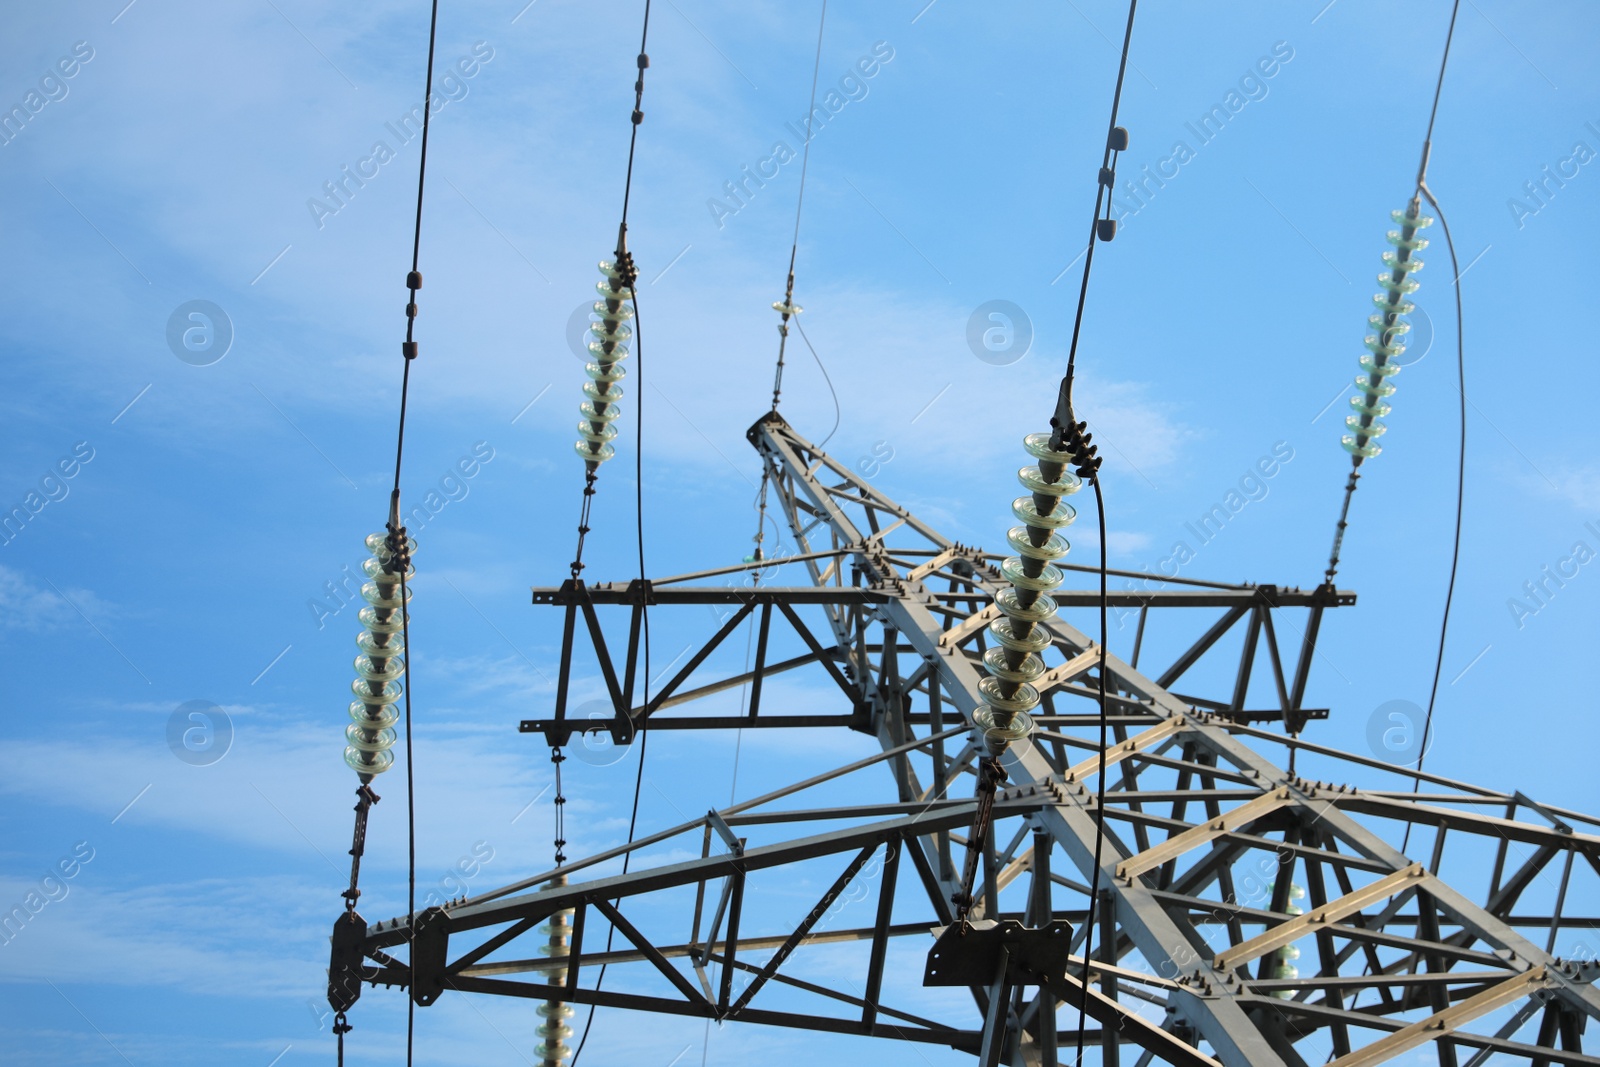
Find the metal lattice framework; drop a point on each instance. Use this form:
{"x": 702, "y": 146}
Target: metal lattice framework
{"x": 1208, "y": 843}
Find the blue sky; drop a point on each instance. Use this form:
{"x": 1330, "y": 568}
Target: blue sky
{"x": 208, "y": 506}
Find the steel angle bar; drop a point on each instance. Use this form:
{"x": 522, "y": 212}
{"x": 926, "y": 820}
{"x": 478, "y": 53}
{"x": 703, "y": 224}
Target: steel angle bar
{"x": 1480, "y": 979}
{"x": 697, "y": 659}
{"x": 868, "y": 811}
{"x": 1529, "y": 1008}
{"x": 1145, "y": 739}
{"x": 764, "y": 564}
{"x": 742, "y": 806}
{"x": 1247, "y": 659}
{"x": 642, "y": 943}
{"x": 1509, "y": 829}
{"x": 959, "y": 633}
{"x": 1070, "y": 990}
{"x": 1117, "y": 598}
{"x": 804, "y": 928}
{"x": 823, "y": 656}
{"x": 1073, "y": 668}
{"x": 922, "y": 570}
{"x": 1444, "y": 1023}
{"x": 1201, "y": 646}
{"x": 782, "y": 721}
{"x": 761, "y": 671}
{"x": 1483, "y": 794}
{"x": 931, "y": 1034}
{"x": 923, "y": 1029}
{"x": 611, "y": 593}
{"x": 1412, "y": 878}
{"x": 1229, "y": 821}
{"x": 474, "y": 914}
{"x": 752, "y": 944}
{"x": 1320, "y": 1015}
{"x": 1381, "y": 934}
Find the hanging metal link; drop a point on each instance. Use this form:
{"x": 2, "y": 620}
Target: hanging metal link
{"x": 990, "y": 775}
{"x": 557, "y": 758}
{"x": 365, "y": 798}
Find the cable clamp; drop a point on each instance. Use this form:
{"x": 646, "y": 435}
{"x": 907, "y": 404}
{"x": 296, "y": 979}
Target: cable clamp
{"x": 1071, "y": 436}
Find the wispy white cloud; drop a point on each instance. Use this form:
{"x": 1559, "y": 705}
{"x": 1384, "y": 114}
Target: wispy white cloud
{"x": 35, "y": 606}
{"x": 1578, "y": 485}
{"x": 286, "y": 790}
{"x": 105, "y": 933}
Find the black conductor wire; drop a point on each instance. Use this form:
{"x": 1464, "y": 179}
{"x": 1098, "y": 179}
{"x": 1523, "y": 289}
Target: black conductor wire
{"x": 1068, "y": 431}
{"x": 1461, "y": 481}
{"x": 397, "y": 533}
{"x": 1355, "y": 467}
{"x": 825, "y": 377}
{"x": 1461, "y": 389}
{"x": 1102, "y": 191}
{"x": 624, "y": 262}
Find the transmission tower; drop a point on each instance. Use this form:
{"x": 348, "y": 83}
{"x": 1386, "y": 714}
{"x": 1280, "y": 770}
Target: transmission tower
{"x": 1247, "y": 914}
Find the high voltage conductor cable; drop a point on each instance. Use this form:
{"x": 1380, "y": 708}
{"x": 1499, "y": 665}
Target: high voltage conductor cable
{"x": 397, "y": 532}
{"x": 1461, "y": 475}
{"x": 385, "y": 636}
{"x": 618, "y": 303}
{"x": 1390, "y": 326}
{"x": 1385, "y": 345}
{"x": 644, "y": 731}
{"x": 1461, "y": 389}
{"x": 1103, "y": 228}
{"x": 638, "y": 119}
{"x": 834, "y": 393}
{"x": 1100, "y": 780}
{"x": 1031, "y": 573}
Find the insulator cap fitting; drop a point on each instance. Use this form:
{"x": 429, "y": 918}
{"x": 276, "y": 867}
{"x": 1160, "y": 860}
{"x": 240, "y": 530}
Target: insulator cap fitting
{"x": 1002, "y": 730}
{"x": 1106, "y": 229}
{"x": 414, "y": 279}
{"x": 408, "y": 349}
{"x": 1118, "y": 141}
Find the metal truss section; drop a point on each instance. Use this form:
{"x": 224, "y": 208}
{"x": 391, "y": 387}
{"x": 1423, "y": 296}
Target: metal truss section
{"x": 1220, "y": 865}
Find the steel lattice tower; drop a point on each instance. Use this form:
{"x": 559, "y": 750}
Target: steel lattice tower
{"x": 1219, "y": 864}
